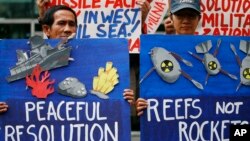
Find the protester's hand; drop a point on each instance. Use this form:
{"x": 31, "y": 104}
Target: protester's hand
{"x": 42, "y": 6}
{"x": 128, "y": 94}
{"x": 3, "y": 107}
{"x": 169, "y": 26}
{"x": 145, "y": 8}
{"x": 141, "y": 104}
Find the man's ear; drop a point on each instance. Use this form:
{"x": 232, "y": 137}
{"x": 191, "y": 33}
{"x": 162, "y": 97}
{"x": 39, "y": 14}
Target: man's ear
{"x": 46, "y": 30}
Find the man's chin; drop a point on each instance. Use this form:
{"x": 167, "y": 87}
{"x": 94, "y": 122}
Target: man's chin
{"x": 68, "y": 36}
{"x": 63, "y": 37}
{"x": 187, "y": 32}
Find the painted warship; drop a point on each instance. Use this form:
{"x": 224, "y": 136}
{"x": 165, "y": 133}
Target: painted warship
{"x": 41, "y": 53}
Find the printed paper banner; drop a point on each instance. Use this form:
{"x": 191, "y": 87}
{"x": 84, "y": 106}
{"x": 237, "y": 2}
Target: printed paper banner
{"x": 156, "y": 14}
{"x": 180, "y": 110}
{"x": 225, "y": 17}
{"x": 60, "y": 117}
{"x": 107, "y": 19}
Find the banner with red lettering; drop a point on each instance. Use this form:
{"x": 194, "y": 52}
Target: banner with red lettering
{"x": 107, "y": 19}
{"x": 225, "y": 17}
{"x": 155, "y": 16}
{"x": 218, "y": 17}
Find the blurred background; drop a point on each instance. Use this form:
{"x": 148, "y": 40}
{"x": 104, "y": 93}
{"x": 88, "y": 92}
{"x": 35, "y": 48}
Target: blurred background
{"x": 18, "y": 19}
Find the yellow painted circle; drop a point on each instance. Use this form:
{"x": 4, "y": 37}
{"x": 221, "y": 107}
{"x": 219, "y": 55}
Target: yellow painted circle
{"x": 167, "y": 66}
{"x": 212, "y": 65}
{"x": 246, "y": 73}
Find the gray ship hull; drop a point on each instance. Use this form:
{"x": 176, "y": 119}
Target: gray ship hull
{"x": 55, "y": 58}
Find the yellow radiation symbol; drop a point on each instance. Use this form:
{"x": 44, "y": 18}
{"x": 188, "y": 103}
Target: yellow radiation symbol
{"x": 246, "y": 73}
{"x": 212, "y": 65}
{"x": 167, "y": 66}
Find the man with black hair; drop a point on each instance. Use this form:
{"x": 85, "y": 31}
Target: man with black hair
{"x": 61, "y": 22}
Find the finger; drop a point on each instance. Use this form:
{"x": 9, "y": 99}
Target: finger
{"x": 3, "y": 107}
{"x": 131, "y": 102}
{"x": 127, "y": 90}
{"x": 3, "y": 110}
{"x": 46, "y": 1}
{"x": 141, "y": 105}
{"x": 140, "y": 108}
{"x": 40, "y": 2}
{"x": 140, "y": 113}
{"x": 128, "y": 94}
{"x": 3, "y": 104}
{"x": 129, "y": 98}
{"x": 139, "y": 3}
{"x": 147, "y": 6}
{"x": 139, "y": 100}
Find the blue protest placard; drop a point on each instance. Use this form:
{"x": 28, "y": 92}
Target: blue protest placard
{"x": 60, "y": 117}
{"x": 184, "y": 102}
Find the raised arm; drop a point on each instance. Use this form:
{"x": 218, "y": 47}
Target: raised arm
{"x": 42, "y": 7}
{"x": 145, "y": 8}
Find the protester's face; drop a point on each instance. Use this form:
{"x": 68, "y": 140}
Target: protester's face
{"x": 64, "y": 25}
{"x": 185, "y": 21}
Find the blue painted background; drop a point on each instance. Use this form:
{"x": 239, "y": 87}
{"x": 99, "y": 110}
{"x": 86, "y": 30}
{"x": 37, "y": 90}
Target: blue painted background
{"x": 220, "y": 88}
{"x": 89, "y": 55}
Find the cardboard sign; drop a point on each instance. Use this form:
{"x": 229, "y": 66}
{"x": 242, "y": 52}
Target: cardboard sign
{"x": 180, "y": 110}
{"x": 60, "y": 117}
{"x": 107, "y": 19}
